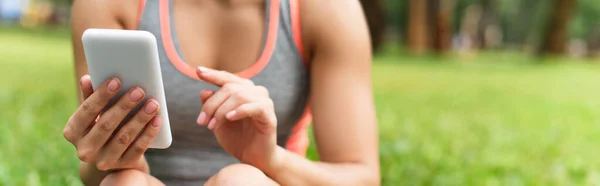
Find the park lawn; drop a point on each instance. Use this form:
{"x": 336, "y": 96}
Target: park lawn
{"x": 495, "y": 119}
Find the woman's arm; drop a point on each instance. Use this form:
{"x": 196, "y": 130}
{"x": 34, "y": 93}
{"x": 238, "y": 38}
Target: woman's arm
{"x": 95, "y": 14}
{"x": 345, "y": 127}
{"x": 108, "y": 14}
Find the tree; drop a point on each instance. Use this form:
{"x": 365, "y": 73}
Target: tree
{"x": 441, "y": 24}
{"x": 418, "y": 32}
{"x": 557, "y": 26}
{"x": 376, "y": 19}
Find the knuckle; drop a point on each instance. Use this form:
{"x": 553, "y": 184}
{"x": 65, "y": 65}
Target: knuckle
{"x": 263, "y": 111}
{"x": 71, "y": 119}
{"x": 220, "y": 115}
{"x": 68, "y": 134}
{"x": 268, "y": 104}
{"x": 107, "y": 126}
{"x": 142, "y": 117}
{"x": 149, "y": 135}
{"x": 228, "y": 87}
{"x": 85, "y": 155}
{"x": 236, "y": 94}
{"x": 104, "y": 92}
{"x": 263, "y": 90}
{"x": 90, "y": 107}
{"x": 125, "y": 106}
{"x": 140, "y": 148}
{"x": 124, "y": 138}
{"x": 209, "y": 108}
{"x": 103, "y": 165}
{"x": 243, "y": 97}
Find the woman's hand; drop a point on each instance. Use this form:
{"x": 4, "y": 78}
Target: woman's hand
{"x": 95, "y": 129}
{"x": 242, "y": 117}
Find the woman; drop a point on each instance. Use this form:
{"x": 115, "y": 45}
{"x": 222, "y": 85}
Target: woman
{"x": 259, "y": 70}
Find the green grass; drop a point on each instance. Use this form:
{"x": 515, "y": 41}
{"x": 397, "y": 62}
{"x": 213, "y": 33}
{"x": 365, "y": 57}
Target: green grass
{"x": 495, "y": 119}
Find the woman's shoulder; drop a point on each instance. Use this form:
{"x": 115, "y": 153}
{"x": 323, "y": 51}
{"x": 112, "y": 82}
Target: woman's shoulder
{"x": 326, "y": 20}
{"x": 105, "y": 13}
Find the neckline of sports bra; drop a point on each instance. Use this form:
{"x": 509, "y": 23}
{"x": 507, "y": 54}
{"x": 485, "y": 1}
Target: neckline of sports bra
{"x": 186, "y": 69}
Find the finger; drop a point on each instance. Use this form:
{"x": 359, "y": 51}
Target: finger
{"x": 226, "y": 107}
{"x": 86, "y": 114}
{"x": 218, "y": 77}
{"x": 143, "y": 141}
{"x": 87, "y": 90}
{"x": 110, "y": 120}
{"x": 86, "y": 86}
{"x": 211, "y": 105}
{"x": 205, "y": 94}
{"x": 127, "y": 134}
{"x": 262, "y": 112}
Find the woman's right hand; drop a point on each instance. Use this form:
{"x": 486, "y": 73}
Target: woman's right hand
{"x": 94, "y": 130}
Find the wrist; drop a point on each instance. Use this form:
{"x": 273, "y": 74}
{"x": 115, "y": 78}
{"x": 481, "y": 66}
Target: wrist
{"x": 142, "y": 165}
{"x": 277, "y": 162}
{"x": 145, "y": 167}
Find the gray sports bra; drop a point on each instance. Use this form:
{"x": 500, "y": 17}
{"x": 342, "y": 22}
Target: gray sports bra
{"x": 195, "y": 154}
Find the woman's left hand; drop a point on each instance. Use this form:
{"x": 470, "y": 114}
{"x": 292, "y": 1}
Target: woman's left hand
{"x": 242, "y": 117}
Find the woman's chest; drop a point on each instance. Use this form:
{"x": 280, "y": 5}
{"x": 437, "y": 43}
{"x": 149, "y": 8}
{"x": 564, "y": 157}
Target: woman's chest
{"x": 224, "y": 37}
{"x": 274, "y": 63}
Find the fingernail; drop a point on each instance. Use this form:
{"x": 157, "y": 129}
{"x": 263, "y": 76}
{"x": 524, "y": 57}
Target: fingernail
{"x": 212, "y": 123}
{"x": 230, "y": 114}
{"x": 201, "y": 118}
{"x": 113, "y": 85}
{"x": 157, "y": 121}
{"x": 151, "y": 107}
{"x": 202, "y": 69}
{"x": 136, "y": 94}
{"x": 86, "y": 77}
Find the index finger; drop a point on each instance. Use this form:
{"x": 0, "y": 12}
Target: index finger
{"x": 217, "y": 77}
{"x": 85, "y": 115}
{"x": 86, "y": 86}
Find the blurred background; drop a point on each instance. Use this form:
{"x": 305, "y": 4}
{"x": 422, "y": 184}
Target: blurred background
{"x": 468, "y": 92}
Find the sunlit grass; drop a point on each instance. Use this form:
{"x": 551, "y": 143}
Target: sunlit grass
{"x": 492, "y": 119}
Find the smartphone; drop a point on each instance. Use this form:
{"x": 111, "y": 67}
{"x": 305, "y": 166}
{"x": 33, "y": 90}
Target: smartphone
{"x": 131, "y": 56}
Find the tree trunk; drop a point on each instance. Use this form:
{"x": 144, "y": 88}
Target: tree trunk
{"x": 376, "y": 19}
{"x": 441, "y": 25}
{"x": 556, "y": 30}
{"x": 418, "y": 31}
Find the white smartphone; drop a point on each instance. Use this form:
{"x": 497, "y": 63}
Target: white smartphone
{"x": 131, "y": 56}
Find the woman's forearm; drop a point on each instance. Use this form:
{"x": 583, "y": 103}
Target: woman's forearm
{"x": 90, "y": 175}
{"x": 297, "y": 170}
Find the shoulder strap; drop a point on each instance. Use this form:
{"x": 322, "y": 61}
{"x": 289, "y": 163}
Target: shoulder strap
{"x": 290, "y": 11}
{"x": 140, "y": 13}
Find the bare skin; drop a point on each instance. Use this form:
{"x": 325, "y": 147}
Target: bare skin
{"x": 336, "y": 42}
